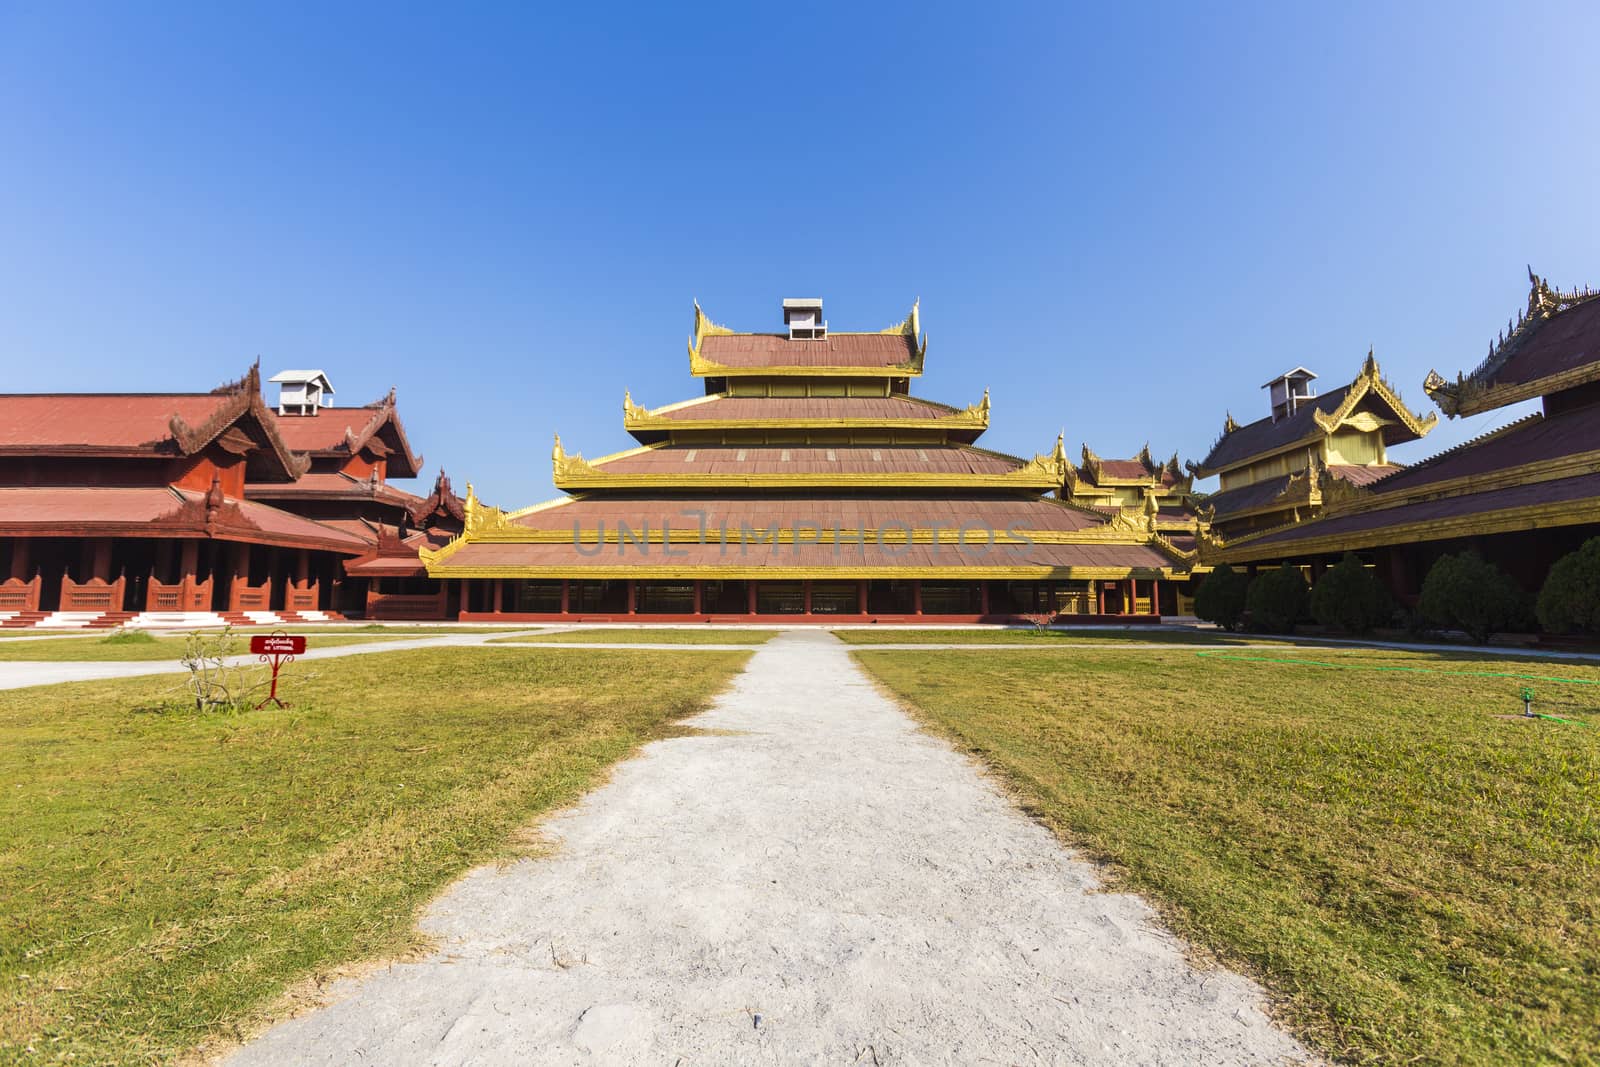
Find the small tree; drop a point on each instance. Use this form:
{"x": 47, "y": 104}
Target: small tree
{"x": 1221, "y": 597}
{"x": 1277, "y": 599}
{"x": 1466, "y": 592}
{"x": 1350, "y": 597}
{"x": 1039, "y": 620}
{"x": 1570, "y": 599}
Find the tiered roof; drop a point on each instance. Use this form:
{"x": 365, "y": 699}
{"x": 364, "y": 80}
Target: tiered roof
{"x": 807, "y": 458}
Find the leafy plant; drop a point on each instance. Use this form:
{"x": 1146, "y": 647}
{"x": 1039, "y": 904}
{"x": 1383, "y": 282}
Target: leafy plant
{"x": 1349, "y": 596}
{"x": 1276, "y": 599}
{"x": 1570, "y": 599}
{"x": 1221, "y": 597}
{"x": 1466, "y": 592}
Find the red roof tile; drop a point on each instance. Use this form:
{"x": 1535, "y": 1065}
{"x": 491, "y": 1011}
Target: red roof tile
{"x": 778, "y": 558}
{"x": 824, "y": 512}
{"x": 1531, "y": 440}
{"x": 1562, "y": 491}
{"x": 158, "y": 511}
{"x": 809, "y": 459}
{"x": 717, "y": 408}
{"x": 106, "y": 421}
{"x": 868, "y": 350}
{"x": 1357, "y": 474}
{"x": 345, "y": 431}
{"x": 1563, "y": 342}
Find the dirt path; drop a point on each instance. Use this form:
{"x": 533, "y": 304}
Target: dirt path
{"x": 821, "y": 883}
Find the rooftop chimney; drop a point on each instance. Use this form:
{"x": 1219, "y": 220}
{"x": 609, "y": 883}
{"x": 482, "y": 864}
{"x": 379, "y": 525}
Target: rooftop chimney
{"x": 804, "y": 319}
{"x": 301, "y": 392}
{"x": 1289, "y": 391}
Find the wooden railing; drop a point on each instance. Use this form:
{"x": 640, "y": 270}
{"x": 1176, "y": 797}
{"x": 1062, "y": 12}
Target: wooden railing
{"x": 96, "y": 594}
{"x": 246, "y": 597}
{"x": 186, "y": 595}
{"x": 301, "y": 596}
{"x": 407, "y": 605}
{"x": 19, "y": 595}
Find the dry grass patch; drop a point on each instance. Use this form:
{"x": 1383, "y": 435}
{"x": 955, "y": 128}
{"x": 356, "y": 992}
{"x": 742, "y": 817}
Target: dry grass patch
{"x": 643, "y": 637}
{"x": 1415, "y": 877}
{"x": 1029, "y": 636}
{"x": 165, "y": 877}
{"x": 139, "y": 646}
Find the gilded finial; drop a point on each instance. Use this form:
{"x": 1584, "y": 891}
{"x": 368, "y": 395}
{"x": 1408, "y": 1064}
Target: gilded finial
{"x": 556, "y": 454}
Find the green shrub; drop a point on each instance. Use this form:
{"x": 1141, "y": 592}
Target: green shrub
{"x": 1570, "y": 599}
{"x": 1465, "y": 592}
{"x": 129, "y": 637}
{"x": 1349, "y": 596}
{"x": 1276, "y": 599}
{"x": 1220, "y": 598}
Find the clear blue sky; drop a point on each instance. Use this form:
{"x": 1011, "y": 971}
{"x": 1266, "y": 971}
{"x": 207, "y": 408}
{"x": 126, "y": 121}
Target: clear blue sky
{"x": 1121, "y": 221}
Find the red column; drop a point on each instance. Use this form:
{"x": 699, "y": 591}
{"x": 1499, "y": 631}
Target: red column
{"x": 1133, "y": 598}
{"x": 916, "y": 596}
{"x": 861, "y": 596}
{"x": 750, "y": 597}
{"x": 100, "y": 564}
{"x": 566, "y": 596}
{"x": 20, "y": 548}
{"x": 499, "y": 595}
{"x": 633, "y": 598}
{"x": 805, "y": 593}
{"x": 983, "y": 598}
{"x": 1100, "y": 593}
{"x": 1155, "y": 596}
{"x": 699, "y": 597}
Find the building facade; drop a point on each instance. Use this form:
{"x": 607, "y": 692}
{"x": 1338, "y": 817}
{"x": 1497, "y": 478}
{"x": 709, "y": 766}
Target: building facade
{"x": 1522, "y": 495}
{"x": 1280, "y": 469}
{"x": 808, "y": 482}
{"x": 202, "y": 507}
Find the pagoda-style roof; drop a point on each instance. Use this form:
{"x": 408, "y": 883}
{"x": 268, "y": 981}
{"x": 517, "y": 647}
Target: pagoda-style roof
{"x": 686, "y": 465}
{"x": 722, "y": 412}
{"x": 1315, "y": 419}
{"x": 151, "y": 426}
{"x": 1552, "y": 346}
{"x": 334, "y": 485}
{"x": 343, "y": 432}
{"x": 1142, "y": 471}
{"x": 1536, "y": 472}
{"x": 718, "y": 352}
{"x": 800, "y": 536}
{"x": 161, "y": 511}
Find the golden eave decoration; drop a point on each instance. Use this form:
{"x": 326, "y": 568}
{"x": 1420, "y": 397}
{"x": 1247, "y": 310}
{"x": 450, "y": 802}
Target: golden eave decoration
{"x": 1472, "y": 393}
{"x": 573, "y": 472}
{"x": 910, "y": 327}
{"x": 1370, "y": 382}
{"x": 638, "y": 418}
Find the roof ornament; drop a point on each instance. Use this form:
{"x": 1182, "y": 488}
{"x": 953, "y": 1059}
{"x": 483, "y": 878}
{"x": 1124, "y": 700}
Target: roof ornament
{"x": 557, "y": 454}
{"x": 1228, "y": 425}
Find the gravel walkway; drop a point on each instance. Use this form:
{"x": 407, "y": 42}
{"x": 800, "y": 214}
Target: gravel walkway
{"x": 821, "y": 883}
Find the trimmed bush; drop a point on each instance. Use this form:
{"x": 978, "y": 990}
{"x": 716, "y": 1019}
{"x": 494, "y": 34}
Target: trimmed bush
{"x": 1220, "y": 598}
{"x": 1350, "y": 597}
{"x": 1466, "y": 592}
{"x": 1277, "y": 599}
{"x": 1570, "y": 599}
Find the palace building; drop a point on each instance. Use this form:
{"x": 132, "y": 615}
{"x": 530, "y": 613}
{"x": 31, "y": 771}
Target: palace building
{"x": 1280, "y": 468}
{"x": 809, "y": 482}
{"x": 1522, "y": 495}
{"x": 204, "y": 507}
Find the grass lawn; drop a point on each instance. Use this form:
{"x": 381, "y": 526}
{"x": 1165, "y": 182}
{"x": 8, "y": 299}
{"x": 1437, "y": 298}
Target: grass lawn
{"x": 893, "y": 636}
{"x": 140, "y": 647}
{"x": 409, "y": 629}
{"x": 1416, "y": 879}
{"x": 651, "y": 637}
{"x": 164, "y": 877}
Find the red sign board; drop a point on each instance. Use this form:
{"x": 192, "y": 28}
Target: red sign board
{"x": 276, "y": 645}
